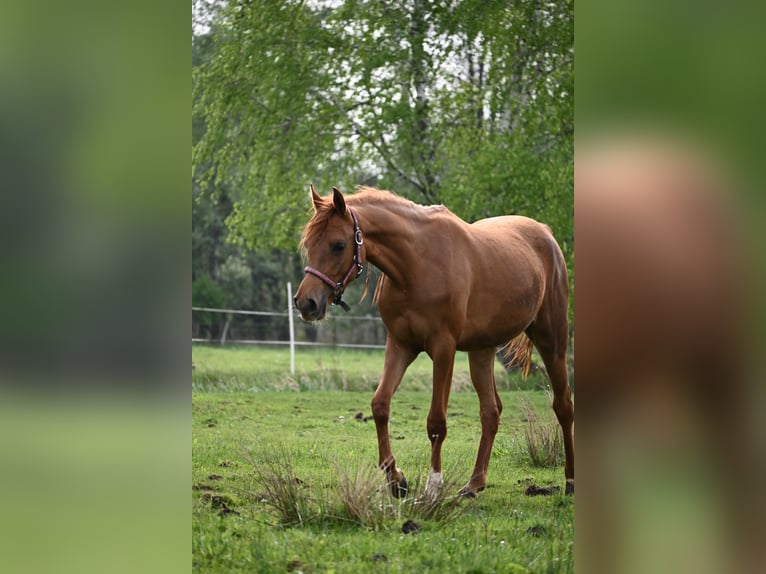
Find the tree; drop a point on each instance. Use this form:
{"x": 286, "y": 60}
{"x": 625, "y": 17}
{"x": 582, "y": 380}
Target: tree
{"x": 470, "y": 102}
{"x": 467, "y": 103}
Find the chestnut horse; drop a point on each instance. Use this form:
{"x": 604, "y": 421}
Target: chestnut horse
{"x": 447, "y": 285}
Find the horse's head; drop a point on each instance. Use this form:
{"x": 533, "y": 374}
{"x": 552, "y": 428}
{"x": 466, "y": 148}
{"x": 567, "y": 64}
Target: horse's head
{"x": 333, "y": 245}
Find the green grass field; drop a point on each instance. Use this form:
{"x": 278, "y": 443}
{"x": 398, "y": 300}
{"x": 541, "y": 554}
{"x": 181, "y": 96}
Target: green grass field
{"x": 255, "y": 368}
{"x": 245, "y": 425}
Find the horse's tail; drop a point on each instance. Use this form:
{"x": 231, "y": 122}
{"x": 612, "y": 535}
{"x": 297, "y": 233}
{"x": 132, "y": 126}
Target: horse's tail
{"x": 518, "y": 353}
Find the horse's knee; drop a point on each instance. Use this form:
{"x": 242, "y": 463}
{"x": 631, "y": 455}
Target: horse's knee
{"x": 380, "y": 410}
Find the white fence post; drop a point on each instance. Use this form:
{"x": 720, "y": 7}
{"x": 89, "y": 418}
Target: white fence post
{"x": 292, "y": 327}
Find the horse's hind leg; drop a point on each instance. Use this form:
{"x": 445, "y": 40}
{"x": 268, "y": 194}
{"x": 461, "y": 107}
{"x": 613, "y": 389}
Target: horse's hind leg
{"x": 397, "y": 360}
{"x": 483, "y": 377}
{"x": 551, "y": 342}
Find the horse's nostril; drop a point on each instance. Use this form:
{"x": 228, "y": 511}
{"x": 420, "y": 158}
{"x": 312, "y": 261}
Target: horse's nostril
{"x": 307, "y": 306}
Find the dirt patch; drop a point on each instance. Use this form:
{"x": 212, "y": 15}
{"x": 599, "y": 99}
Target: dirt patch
{"x": 214, "y": 477}
{"x": 410, "y": 527}
{"x": 220, "y": 502}
{"x": 537, "y": 530}
{"x": 295, "y": 565}
{"x": 534, "y": 490}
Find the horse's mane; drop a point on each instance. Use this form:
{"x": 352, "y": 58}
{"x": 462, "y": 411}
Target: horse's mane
{"x": 363, "y": 195}
{"x": 374, "y": 196}
{"x": 367, "y": 194}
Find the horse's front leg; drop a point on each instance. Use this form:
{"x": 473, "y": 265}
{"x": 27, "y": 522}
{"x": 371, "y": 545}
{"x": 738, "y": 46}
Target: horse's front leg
{"x": 398, "y": 358}
{"x": 443, "y": 356}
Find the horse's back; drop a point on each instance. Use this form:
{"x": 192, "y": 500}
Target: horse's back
{"x": 515, "y": 238}
{"x": 514, "y": 262}
{"x": 487, "y": 280}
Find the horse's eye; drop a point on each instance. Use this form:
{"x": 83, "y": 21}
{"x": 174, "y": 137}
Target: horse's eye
{"x": 338, "y": 247}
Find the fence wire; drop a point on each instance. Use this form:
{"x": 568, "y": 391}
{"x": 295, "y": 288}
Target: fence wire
{"x": 250, "y": 327}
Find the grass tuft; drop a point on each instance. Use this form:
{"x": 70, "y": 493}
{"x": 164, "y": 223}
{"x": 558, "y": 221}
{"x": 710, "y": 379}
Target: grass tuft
{"x": 360, "y": 497}
{"x": 366, "y": 499}
{"x": 445, "y": 507}
{"x": 287, "y": 494}
{"x": 363, "y": 497}
{"x": 545, "y": 443}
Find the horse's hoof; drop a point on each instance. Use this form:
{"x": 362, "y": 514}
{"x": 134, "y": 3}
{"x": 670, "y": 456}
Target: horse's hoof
{"x": 570, "y": 486}
{"x": 399, "y": 489}
{"x": 469, "y": 492}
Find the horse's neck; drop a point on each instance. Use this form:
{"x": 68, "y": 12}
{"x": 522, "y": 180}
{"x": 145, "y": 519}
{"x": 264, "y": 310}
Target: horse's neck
{"x": 390, "y": 235}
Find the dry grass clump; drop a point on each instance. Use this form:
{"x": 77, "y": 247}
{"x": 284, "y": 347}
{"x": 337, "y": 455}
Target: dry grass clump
{"x": 363, "y": 496}
{"x": 366, "y": 499}
{"x": 545, "y": 443}
{"x": 287, "y": 494}
{"x": 446, "y": 506}
{"x": 360, "y": 496}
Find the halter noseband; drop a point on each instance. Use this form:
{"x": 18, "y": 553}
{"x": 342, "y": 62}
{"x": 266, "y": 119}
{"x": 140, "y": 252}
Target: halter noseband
{"x": 357, "y": 266}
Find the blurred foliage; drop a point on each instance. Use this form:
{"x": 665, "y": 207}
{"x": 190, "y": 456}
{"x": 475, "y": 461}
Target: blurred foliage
{"x": 206, "y": 293}
{"x": 467, "y": 103}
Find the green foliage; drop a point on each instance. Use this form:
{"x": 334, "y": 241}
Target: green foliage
{"x": 265, "y": 126}
{"x": 236, "y": 280}
{"x": 469, "y": 105}
{"x": 207, "y": 293}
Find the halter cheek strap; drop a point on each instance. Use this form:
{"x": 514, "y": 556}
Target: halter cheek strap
{"x": 357, "y": 266}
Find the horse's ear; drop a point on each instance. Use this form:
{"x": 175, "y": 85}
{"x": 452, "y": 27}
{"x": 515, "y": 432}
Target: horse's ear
{"x": 339, "y": 201}
{"x": 315, "y": 197}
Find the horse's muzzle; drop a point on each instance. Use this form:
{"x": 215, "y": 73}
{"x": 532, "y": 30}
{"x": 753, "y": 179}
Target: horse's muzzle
{"x": 311, "y": 309}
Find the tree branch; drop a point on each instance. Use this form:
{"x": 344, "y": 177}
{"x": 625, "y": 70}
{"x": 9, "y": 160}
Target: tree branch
{"x": 379, "y": 147}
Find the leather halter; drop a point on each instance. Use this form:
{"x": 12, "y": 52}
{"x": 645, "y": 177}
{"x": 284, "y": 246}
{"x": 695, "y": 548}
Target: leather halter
{"x": 357, "y": 266}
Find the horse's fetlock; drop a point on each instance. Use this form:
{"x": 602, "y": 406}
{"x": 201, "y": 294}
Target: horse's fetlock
{"x": 434, "y": 484}
{"x": 437, "y": 429}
